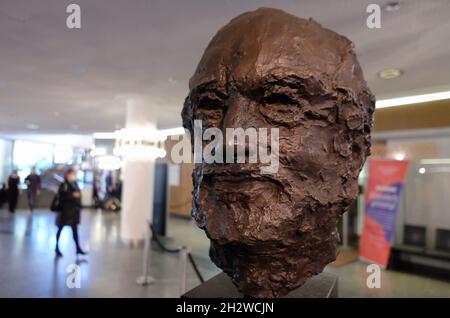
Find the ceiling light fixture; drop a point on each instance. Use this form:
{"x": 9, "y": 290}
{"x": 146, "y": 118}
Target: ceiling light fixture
{"x": 139, "y": 144}
{"x": 390, "y": 73}
{"x": 412, "y": 99}
{"x": 392, "y": 6}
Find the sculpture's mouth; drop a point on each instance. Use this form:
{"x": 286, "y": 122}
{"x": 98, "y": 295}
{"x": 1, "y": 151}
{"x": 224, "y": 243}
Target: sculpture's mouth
{"x": 247, "y": 185}
{"x": 244, "y": 203}
{"x": 245, "y": 181}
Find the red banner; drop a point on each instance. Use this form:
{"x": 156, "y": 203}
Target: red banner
{"x": 384, "y": 187}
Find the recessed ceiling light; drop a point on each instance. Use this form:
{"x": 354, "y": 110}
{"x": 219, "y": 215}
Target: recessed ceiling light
{"x": 32, "y": 126}
{"x": 392, "y": 6}
{"x": 390, "y": 73}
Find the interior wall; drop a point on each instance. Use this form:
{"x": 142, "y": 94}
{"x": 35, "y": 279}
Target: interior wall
{"x": 412, "y": 148}
{"x": 416, "y": 116}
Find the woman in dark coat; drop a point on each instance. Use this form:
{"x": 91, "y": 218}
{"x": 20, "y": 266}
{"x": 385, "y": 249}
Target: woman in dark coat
{"x": 70, "y": 202}
{"x": 13, "y": 191}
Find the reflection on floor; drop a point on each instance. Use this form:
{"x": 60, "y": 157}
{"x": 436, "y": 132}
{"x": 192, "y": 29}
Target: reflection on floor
{"x": 28, "y": 267}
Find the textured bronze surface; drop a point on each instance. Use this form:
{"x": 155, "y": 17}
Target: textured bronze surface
{"x": 267, "y": 68}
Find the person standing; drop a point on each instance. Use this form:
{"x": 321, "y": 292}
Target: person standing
{"x": 33, "y": 182}
{"x": 109, "y": 183}
{"x": 12, "y": 186}
{"x": 70, "y": 204}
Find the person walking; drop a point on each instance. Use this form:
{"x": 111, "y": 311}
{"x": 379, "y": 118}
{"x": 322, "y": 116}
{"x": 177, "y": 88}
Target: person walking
{"x": 3, "y": 194}
{"x": 13, "y": 188}
{"x": 33, "y": 182}
{"x": 69, "y": 196}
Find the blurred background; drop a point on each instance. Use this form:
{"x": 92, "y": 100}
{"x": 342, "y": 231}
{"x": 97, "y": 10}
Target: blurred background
{"x": 85, "y": 98}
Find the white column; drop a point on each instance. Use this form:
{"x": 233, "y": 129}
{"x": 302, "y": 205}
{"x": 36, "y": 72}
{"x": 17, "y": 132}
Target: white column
{"x": 138, "y": 175}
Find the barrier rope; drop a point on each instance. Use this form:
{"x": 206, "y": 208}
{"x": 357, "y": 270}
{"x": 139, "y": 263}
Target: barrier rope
{"x": 156, "y": 239}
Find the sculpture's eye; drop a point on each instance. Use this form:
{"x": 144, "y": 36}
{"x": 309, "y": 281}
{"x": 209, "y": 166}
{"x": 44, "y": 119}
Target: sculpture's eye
{"x": 279, "y": 99}
{"x": 281, "y": 109}
{"x": 209, "y": 110}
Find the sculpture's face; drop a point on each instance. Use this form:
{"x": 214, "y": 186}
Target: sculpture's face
{"x": 235, "y": 202}
{"x": 270, "y": 232}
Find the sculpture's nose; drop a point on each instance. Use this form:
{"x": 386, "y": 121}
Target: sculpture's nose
{"x": 237, "y": 115}
{"x": 236, "y": 122}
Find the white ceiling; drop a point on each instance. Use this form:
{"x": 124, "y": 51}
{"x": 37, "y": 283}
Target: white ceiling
{"x": 69, "y": 80}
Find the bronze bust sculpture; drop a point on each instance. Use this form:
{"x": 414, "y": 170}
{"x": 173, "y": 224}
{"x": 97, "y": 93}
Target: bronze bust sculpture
{"x": 267, "y": 68}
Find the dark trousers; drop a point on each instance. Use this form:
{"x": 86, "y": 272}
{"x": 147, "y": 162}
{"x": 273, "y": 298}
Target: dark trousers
{"x": 74, "y": 234}
{"x": 32, "y": 195}
{"x": 12, "y": 201}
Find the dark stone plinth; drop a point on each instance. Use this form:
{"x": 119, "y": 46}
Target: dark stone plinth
{"x": 323, "y": 285}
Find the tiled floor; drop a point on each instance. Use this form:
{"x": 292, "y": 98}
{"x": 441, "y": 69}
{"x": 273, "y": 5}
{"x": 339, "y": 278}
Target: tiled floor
{"x": 28, "y": 267}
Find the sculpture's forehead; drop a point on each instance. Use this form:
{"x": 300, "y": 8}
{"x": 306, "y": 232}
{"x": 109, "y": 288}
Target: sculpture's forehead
{"x": 266, "y": 43}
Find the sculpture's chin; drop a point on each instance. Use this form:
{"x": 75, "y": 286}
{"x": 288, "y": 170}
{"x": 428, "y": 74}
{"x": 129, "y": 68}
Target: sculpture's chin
{"x": 267, "y": 245}
{"x": 271, "y": 272}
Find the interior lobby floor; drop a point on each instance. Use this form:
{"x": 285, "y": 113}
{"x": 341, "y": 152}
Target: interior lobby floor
{"x": 28, "y": 267}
